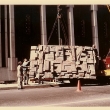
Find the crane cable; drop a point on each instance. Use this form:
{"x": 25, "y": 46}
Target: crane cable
{"x": 62, "y": 27}
{"x": 52, "y": 30}
{"x": 50, "y": 35}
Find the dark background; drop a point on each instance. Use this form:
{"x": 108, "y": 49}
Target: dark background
{"x": 28, "y": 33}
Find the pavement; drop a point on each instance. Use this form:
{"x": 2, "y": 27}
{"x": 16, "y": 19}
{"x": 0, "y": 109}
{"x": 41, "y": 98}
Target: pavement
{"x": 13, "y": 85}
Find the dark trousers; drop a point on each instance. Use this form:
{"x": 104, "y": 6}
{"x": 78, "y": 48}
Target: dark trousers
{"x": 25, "y": 77}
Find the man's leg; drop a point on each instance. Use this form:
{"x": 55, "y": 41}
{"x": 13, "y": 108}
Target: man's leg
{"x": 27, "y": 78}
{"x": 19, "y": 83}
{"x": 24, "y": 77}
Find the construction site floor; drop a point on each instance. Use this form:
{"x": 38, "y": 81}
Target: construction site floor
{"x": 8, "y": 86}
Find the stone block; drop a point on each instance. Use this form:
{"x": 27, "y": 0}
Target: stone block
{"x": 83, "y": 54}
{"x": 59, "y": 58}
{"x": 41, "y": 53}
{"x": 58, "y": 48}
{"x": 40, "y": 70}
{"x": 67, "y": 47}
{"x": 59, "y": 61}
{"x": 63, "y": 73}
{"x": 40, "y": 47}
{"x": 90, "y": 52}
{"x": 91, "y": 57}
{"x": 59, "y": 53}
{"x": 91, "y": 69}
{"x": 40, "y": 61}
{"x": 33, "y": 54}
{"x": 48, "y": 75}
{"x": 87, "y": 75}
{"x": 73, "y": 68}
{"x": 32, "y": 69}
{"x": 51, "y": 68}
{"x": 68, "y": 68}
{"x": 33, "y": 47}
{"x": 74, "y": 75}
{"x": 52, "y": 48}
{"x": 67, "y": 75}
{"x": 83, "y": 59}
{"x": 57, "y": 67}
{"x": 91, "y": 61}
{"x": 33, "y": 63}
{"x": 68, "y": 52}
{"x": 80, "y": 71}
{"x": 49, "y": 56}
{"x": 81, "y": 75}
{"x": 87, "y": 48}
{"x": 46, "y": 65}
{"x": 31, "y": 73}
{"x": 46, "y": 49}
{"x": 84, "y": 67}
{"x": 62, "y": 60}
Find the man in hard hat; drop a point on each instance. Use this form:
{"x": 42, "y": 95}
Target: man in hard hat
{"x": 20, "y": 75}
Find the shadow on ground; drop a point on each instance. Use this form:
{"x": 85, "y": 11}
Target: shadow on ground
{"x": 73, "y": 83}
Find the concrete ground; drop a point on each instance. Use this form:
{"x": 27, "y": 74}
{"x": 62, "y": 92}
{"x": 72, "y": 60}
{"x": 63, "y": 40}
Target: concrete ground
{"x": 13, "y": 85}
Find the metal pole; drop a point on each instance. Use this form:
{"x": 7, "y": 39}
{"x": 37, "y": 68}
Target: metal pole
{"x": 95, "y": 39}
{"x": 58, "y": 16}
{"x": 43, "y": 25}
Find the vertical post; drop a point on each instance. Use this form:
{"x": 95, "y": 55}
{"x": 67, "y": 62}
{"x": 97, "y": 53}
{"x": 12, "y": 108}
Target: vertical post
{"x": 6, "y": 37}
{"x": 94, "y": 26}
{"x": 12, "y": 60}
{"x": 79, "y": 86}
{"x": 58, "y": 17}
{"x": 71, "y": 30}
{"x": 0, "y": 41}
{"x": 71, "y": 25}
{"x": 43, "y": 25}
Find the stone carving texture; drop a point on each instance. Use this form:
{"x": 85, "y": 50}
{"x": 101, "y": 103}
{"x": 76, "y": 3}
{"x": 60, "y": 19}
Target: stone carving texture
{"x": 65, "y": 61}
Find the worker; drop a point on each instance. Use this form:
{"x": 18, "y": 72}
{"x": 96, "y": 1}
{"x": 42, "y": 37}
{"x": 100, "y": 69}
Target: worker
{"x": 96, "y": 56}
{"x": 20, "y": 75}
{"x": 95, "y": 50}
{"x": 25, "y": 71}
